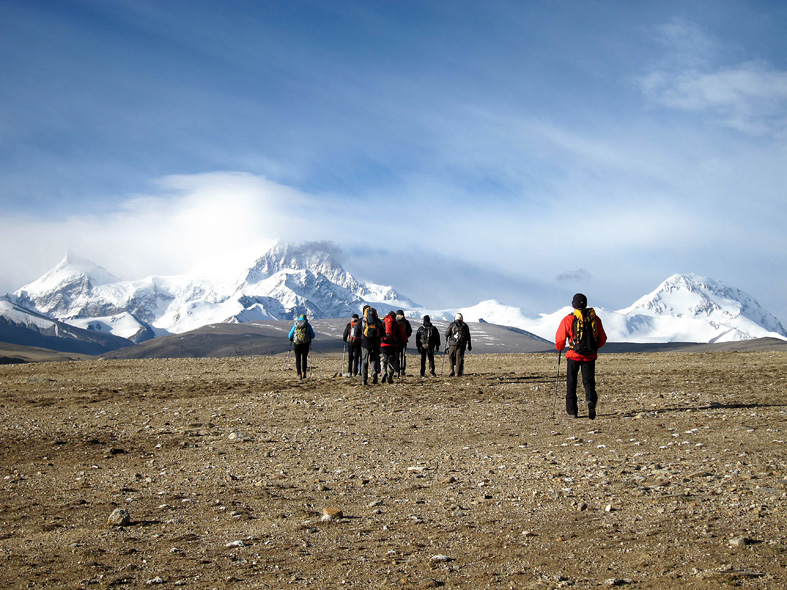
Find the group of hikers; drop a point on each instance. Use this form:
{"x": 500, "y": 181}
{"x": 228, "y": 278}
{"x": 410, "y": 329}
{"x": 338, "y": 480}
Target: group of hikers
{"x": 378, "y": 345}
{"x": 382, "y": 343}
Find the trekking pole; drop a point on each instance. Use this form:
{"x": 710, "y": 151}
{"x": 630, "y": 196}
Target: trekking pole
{"x": 287, "y": 360}
{"x": 557, "y": 377}
{"x": 442, "y": 365}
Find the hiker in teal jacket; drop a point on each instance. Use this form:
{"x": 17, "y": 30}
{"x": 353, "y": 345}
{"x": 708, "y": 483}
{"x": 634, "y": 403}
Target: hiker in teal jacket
{"x": 301, "y": 336}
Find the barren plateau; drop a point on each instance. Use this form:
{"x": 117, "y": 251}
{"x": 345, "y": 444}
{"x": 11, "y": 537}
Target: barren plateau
{"x": 234, "y": 474}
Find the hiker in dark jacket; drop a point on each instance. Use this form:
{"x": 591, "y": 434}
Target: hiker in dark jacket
{"x": 301, "y": 336}
{"x": 427, "y": 339}
{"x": 457, "y": 338}
{"x": 580, "y": 359}
{"x": 353, "y": 336}
{"x": 370, "y": 345}
{"x": 408, "y": 331}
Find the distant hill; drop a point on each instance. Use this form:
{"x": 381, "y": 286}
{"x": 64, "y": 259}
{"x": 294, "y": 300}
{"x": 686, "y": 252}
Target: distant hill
{"x": 270, "y": 337}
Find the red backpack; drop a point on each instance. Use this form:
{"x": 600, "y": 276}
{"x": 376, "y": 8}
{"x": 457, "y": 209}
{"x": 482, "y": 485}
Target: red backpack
{"x": 391, "y": 331}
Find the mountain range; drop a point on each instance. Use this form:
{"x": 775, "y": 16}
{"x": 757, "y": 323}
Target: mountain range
{"x": 79, "y": 299}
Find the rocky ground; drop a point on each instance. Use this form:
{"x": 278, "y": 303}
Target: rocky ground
{"x": 235, "y": 475}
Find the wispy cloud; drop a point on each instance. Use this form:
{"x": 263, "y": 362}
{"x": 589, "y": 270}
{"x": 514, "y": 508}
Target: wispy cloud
{"x": 749, "y": 96}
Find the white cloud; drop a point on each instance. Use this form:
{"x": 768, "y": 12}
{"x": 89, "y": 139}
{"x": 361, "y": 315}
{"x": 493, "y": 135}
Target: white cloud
{"x": 189, "y": 220}
{"x": 749, "y": 96}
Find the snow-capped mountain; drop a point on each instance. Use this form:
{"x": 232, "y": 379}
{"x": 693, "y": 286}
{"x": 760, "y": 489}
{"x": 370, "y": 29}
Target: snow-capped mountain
{"x": 292, "y": 279}
{"x": 684, "y": 308}
{"x": 692, "y": 308}
{"x": 286, "y": 281}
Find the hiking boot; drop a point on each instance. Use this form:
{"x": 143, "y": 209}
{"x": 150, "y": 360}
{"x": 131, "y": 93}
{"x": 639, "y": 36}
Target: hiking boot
{"x": 374, "y": 381}
{"x": 385, "y": 378}
{"x": 451, "y": 374}
{"x": 591, "y": 410}
{"x": 366, "y": 382}
{"x": 572, "y": 416}
{"x": 433, "y": 374}
{"x": 423, "y": 375}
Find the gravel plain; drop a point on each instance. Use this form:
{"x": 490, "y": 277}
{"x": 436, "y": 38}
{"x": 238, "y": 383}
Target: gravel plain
{"x": 234, "y": 474}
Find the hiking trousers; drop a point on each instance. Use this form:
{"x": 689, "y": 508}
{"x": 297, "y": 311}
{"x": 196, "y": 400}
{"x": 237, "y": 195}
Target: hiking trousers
{"x": 353, "y": 358}
{"x": 370, "y": 355}
{"x": 390, "y": 356}
{"x": 456, "y": 354}
{"x": 301, "y": 358}
{"x": 588, "y": 369}
{"x": 427, "y": 354}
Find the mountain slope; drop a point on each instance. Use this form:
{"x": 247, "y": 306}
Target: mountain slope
{"x": 27, "y": 328}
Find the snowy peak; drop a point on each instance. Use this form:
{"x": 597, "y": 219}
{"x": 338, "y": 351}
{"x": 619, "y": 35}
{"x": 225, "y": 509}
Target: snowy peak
{"x": 71, "y": 271}
{"x": 320, "y": 259}
{"x": 317, "y": 257}
{"x": 695, "y": 297}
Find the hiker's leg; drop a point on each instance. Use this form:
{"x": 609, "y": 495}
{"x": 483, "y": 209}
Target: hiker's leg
{"x": 572, "y": 371}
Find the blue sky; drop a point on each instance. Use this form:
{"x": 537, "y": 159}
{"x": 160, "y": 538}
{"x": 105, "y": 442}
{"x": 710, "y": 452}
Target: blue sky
{"x": 459, "y": 151}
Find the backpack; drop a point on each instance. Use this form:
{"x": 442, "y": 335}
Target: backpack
{"x": 301, "y": 335}
{"x": 426, "y": 336}
{"x": 355, "y": 331}
{"x": 370, "y": 329}
{"x": 585, "y": 330}
{"x": 457, "y": 333}
{"x": 402, "y": 321}
{"x": 391, "y": 335}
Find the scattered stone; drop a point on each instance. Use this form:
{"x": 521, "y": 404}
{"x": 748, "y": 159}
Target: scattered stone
{"x": 442, "y": 558}
{"x": 740, "y": 541}
{"x": 429, "y": 583}
{"x": 618, "y": 581}
{"x": 154, "y": 581}
{"x": 119, "y": 517}
{"x": 331, "y": 513}
{"x": 608, "y": 508}
{"x": 235, "y": 544}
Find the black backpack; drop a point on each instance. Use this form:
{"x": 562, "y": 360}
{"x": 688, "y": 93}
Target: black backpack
{"x": 585, "y": 330}
{"x": 457, "y": 333}
{"x": 426, "y": 336}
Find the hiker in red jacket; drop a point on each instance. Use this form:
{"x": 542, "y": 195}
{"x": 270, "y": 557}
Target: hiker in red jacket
{"x": 393, "y": 338}
{"x": 585, "y": 336}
